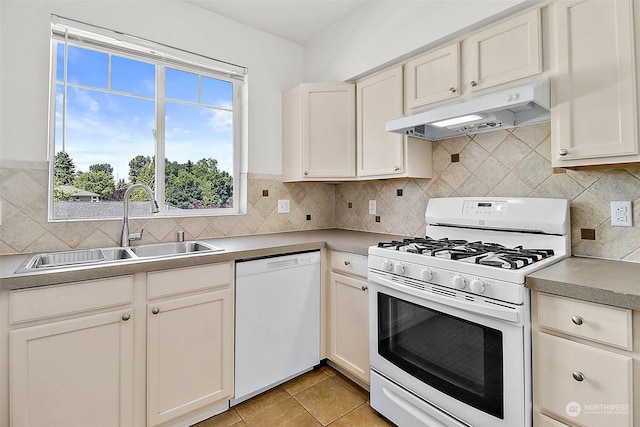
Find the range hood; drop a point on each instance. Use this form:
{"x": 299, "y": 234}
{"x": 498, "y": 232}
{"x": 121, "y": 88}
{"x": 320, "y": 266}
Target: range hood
{"x": 518, "y": 106}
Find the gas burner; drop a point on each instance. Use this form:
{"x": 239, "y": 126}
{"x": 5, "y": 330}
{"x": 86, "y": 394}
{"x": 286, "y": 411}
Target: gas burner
{"x": 478, "y": 252}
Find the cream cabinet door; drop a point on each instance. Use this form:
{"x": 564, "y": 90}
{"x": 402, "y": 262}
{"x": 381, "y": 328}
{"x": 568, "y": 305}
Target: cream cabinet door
{"x": 432, "y": 77}
{"x": 595, "y": 119}
{"x": 504, "y": 52}
{"x": 379, "y": 99}
{"x": 189, "y": 354}
{"x": 318, "y": 132}
{"x": 349, "y": 325}
{"x": 76, "y": 372}
{"x": 575, "y": 380}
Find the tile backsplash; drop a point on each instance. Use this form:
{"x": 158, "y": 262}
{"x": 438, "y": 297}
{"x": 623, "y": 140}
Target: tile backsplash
{"x": 502, "y": 163}
{"x": 505, "y": 163}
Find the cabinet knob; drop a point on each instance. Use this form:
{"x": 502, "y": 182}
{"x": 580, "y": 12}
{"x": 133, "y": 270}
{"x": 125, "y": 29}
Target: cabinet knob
{"x": 452, "y": 90}
{"x": 563, "y": 152}
{"x": 396, "y": 168}
{"x": 126, "y": 317}
{"x": 473, "y": 83}
{"x": 155, "y": 310}
{"x": 577, "y": 320}
{"x": 364, "y": 287}
{"x": 578, "y": 376}
{"x": 306, "y": 173}
{"x": 347, "y": 263}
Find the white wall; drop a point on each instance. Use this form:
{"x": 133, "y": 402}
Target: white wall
{"x": 380, "y": 33}
{"x": 274, "y": 65}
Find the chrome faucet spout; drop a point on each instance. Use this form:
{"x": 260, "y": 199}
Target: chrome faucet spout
{"x": 125, "y": 238}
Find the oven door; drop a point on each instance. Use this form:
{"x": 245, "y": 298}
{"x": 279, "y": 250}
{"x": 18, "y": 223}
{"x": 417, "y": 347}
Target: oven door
{"x": 471, "y": 366}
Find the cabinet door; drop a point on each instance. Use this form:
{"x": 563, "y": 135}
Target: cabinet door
{"x": 504, "y": 52}
{"x": 328, "y": 130}
{"x": 595, "y": 118}
{"x": 432, "y": 77}
{"x": 349, "y": 325}
{"x": 189, "y": 354}
{"x": 75, "y": 372}
{"x": 583, "y": 384}
{"x": 379, "y": 99}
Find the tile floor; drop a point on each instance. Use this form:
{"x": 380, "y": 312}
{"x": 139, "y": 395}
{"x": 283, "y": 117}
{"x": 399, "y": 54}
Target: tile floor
{"x": 322, "y": 397}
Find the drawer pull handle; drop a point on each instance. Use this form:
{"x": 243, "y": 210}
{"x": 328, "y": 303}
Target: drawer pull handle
{"x": 155, "y": 310}
{"x": 364, "y": 288}
{"x": 347, "y": 263}
{"x": 126, "y": 317}
{"x": 577, "y": 375}
{"x": 577, "y": 320}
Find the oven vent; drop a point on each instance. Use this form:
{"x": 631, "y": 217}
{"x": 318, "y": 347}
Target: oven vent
{"x": 469, "y": 298}
{"x": 488, "y": 301}
{"x": 409, "y": 282}
{"x": 443, "y": 292}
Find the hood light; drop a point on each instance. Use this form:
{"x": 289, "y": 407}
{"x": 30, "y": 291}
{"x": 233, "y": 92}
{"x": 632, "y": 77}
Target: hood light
{"x": 456, "y": 121}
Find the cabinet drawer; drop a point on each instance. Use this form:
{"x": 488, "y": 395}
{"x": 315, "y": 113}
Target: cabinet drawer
{"x": 188, "y": 279}
{"x": 601, "y": 398}
{"x": 347, "y": 263}
{"x": 600, "y": 323}
{"x": 50, "y": 301}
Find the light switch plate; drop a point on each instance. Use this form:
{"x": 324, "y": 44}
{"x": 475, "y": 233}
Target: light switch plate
{"x": 284, "y": 206}
{"x": 621, "y": 215}
{"x": 372, "y": 207}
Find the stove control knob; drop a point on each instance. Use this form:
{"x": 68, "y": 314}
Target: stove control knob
{"x": 387, "y": 265}
{"x": 427, "y": 275}
{"x": 398, "y": 268}
{"x": 477, "y": 286}
{"x": 458, "y": 282}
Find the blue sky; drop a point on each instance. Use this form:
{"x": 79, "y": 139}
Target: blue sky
{"x": 108, "y": 127}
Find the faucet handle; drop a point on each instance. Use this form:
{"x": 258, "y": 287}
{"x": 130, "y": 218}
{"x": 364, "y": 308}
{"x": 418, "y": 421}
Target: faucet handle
{"x": 136, "y": 236}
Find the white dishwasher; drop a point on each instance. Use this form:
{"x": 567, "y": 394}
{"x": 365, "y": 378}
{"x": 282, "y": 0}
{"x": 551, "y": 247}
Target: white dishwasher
{"x": 277, "y": 321}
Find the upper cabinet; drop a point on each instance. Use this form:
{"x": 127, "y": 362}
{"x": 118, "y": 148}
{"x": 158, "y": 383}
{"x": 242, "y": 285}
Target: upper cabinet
{"x": 318, "y": 132}
{"x": 433, "y": 76}
{"x": 504, "y": 52}
{"x": 383, "y": 154}
{"x": 507, "y": 51}
{"x": 595, "y": 117}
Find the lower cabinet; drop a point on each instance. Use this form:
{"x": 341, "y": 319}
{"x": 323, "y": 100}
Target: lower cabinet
{"x": 583, "y": 370}
{"x": 189, "y": 353}
{"x": 84, "y": 353}
{"x": 76, "y": 372}
{"x": 349, "y": 315}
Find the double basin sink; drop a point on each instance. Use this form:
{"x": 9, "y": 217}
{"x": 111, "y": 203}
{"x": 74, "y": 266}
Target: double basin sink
{"x": 77, "y": 258}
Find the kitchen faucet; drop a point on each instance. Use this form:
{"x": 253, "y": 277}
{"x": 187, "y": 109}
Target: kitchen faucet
{"x": 126, "y": 237}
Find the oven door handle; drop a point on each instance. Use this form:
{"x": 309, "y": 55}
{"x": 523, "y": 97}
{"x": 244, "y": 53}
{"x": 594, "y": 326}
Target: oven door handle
{"x": 415, "y": 412}
{"x": 485, "y": 307}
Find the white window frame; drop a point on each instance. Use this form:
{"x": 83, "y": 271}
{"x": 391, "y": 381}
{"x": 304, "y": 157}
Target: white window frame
{"x": 104, "y": 40}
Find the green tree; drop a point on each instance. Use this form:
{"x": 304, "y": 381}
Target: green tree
{"x": 136, "y": 165}
{"x": 102, "y": 167}
{"x": 64, "y": 169}
{"x": 185, "y": 191}
{"x": 95, "y": 182}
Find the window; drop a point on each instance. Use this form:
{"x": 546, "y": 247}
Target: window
{"x": 119, "y": 104}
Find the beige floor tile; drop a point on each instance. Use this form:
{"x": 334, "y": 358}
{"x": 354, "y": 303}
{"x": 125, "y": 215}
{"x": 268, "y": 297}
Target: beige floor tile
{"x": 286, "y": 413}
{"x": 351, "y": 386}
{"x": 362, "y": 416}
{"x": 305, "y": 381}
{"x": 328, "y": 370}
{"x": 261, "y": 402}
{"x": 328, "y": 400}
{"x": 225, "y": 419}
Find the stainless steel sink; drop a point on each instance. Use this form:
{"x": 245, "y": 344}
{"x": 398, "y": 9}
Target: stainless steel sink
{"x": 88, "y": 257}
{"x": 173, "y": 248}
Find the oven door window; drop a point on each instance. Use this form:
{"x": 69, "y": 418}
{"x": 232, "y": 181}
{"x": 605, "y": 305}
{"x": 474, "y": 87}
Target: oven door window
{"x": 457, "y": 357}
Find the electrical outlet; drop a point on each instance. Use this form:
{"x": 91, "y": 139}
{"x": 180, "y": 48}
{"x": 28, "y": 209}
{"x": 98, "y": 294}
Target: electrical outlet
{"x": 284, "y": 206}
{"x": 372, "y": 207}
{"x": 621, "y": 215}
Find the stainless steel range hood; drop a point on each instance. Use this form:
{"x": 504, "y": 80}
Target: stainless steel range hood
{"x": 518, "y": 106}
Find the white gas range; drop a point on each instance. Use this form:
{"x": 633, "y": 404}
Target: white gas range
{"x": 450, "y": 316}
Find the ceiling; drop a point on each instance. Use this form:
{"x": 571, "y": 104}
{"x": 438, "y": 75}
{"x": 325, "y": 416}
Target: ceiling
{"x": 296, "y": 20}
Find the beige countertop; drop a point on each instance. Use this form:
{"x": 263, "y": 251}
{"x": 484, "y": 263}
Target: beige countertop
{"x": 235, "y": 248}
{"x": 597, "y": 280}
